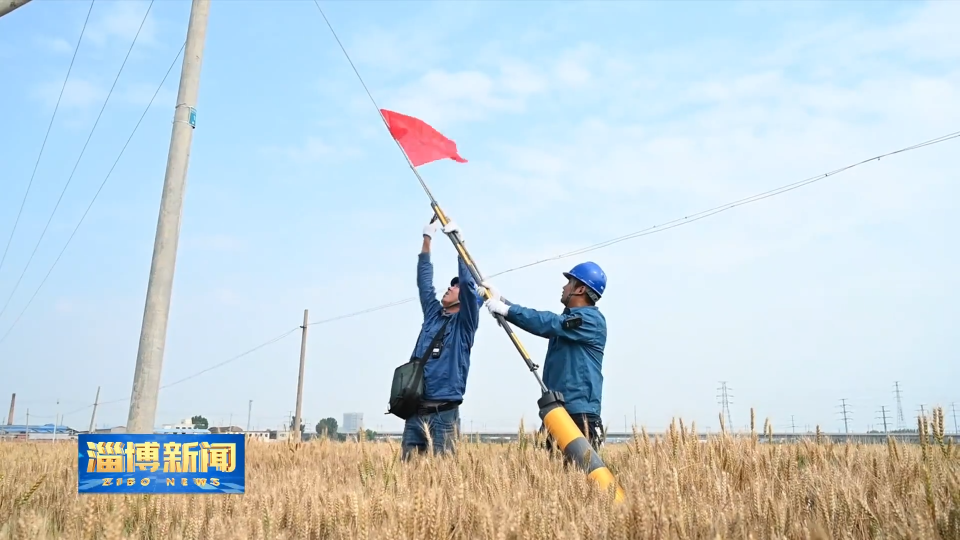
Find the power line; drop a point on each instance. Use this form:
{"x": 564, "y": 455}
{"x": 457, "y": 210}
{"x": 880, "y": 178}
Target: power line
{"x": 729, "y": 206}
{"x": 678, "y": 222}
{"x": 47, "y": 135}
{"x": 77, "y": 163}
{"x": 95, "y": 196}
{"x": 235, "y": 358}
{"x": 201, "y": 372}
{"x": 643, "y": 232}
{"x": 364, "y": 311}
{"x": 651, "y": 230}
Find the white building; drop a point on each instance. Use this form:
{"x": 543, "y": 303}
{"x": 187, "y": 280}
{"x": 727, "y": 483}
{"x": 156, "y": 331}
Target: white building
{"x": 352, "y": 423}
{"x": 186, "y": 423}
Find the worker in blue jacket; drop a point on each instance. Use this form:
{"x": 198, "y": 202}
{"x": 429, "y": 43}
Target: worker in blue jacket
{"x": 446, "y": 369}
{"x": 577, "y": 337}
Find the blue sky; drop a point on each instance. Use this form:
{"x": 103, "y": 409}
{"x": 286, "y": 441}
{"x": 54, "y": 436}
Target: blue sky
{"x": 580, "y": 123}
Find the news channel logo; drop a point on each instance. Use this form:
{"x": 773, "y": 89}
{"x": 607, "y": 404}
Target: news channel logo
{"x": 161, "y": 463}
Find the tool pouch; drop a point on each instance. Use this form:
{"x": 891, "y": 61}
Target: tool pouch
{"x": 406, "y": 392}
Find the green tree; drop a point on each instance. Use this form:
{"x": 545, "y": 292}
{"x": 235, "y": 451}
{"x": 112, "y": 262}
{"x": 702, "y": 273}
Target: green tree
{"x": 303, "y": 427}
{"x": 369, "y": 434}
{"x": 330, "y": 425}
{"x": 199, "y": 422}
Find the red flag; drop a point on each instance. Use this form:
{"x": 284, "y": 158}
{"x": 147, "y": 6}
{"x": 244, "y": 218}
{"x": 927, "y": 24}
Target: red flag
{"x": 421, "y": 142}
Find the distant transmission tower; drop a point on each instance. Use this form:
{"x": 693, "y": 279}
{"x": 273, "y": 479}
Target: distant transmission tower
{"x": 846, "y": 416}
{"x": 883, "y": 416}
{"x": 953, "y": 407}
{"x": 900, "y": 420}
{"x": 724, "y": 397}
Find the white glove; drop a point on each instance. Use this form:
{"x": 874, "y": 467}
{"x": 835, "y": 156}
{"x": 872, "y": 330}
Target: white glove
{"x": 430, "y": 228}
{"x": 495, "y": 305}
{"x": 451, "y": 228}
{"x": 491, "y": 290}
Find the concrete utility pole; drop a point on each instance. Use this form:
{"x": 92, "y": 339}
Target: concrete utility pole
{"x": 13, "y": 402}
{"x": 93, "y": 415}
{"x": 6, "y": 6}
{"x": 56, "y": 421}
{"x": 303, "y": 358}
{"x": 249, "y": 410}
{"x": 153, "y": 333}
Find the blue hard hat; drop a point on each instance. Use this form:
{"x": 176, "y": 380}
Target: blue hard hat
{"x": 591, "y": 275}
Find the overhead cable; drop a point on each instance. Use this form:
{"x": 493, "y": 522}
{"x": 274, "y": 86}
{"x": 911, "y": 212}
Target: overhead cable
{"x": 79, "y": 157}
{"x": 47, "y": 135}
{"x": 94, "y": 199}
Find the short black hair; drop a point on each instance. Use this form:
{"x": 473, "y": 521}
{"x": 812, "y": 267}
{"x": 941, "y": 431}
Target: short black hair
{"x": 592, "y": 297}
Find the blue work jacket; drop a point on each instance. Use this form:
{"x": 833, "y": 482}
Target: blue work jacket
{"x": 445, "y": 378}
{"x": 574, "y": 355}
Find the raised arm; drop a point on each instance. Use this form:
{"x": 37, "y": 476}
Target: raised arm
{"x": 428, "y": 294}
{"x": 469, "y": 299}
{"x": 580, "y": 326}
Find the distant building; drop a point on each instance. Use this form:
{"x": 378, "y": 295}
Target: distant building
{"x": 226, "y": 429}
{"x": 352, "y": 423}
{"x": 186, "y": 423}
{"x": 262, "y": 435}
{"x": 115, "y": 429}
{"x": 36, "y": 432}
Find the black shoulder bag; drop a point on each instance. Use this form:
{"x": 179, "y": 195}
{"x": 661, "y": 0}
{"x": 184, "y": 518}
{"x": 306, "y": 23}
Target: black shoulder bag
{"x": 407, "y": 390}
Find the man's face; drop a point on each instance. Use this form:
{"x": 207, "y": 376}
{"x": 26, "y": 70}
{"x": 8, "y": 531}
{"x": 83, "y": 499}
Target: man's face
{"x": 450, "y": 297}
{"x": 568, "y": 288}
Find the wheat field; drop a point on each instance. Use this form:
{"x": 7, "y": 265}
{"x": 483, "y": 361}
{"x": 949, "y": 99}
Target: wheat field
{"x": 677, "y": 487}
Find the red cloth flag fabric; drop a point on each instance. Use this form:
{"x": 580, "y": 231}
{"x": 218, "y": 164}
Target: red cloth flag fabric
{"x": 421, "y": 142}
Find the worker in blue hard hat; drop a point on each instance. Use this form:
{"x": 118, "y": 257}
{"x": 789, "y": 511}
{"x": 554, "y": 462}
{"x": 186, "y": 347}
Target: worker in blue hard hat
{"x": 574, "y": 360}
{"x": 446, "y": 369}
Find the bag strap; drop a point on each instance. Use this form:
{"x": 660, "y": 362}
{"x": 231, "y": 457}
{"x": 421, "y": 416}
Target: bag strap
{"x": 418, "y": 377}
{"x": 436, "y": 339}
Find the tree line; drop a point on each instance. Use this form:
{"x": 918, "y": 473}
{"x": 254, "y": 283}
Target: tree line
{"x": 327, "y": 427}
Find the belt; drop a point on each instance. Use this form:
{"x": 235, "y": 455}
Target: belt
{"x": 439, "y": 407}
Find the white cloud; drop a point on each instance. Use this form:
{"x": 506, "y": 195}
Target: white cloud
{"x": 64, "y": 306}
{"x": 120, "y": 21}
{"x": 227, "y": 297}
{"x": 312, "y": 150}
{"x": 56, "y": 45}
{"x": 443, "y": 98}
{"x": 572, "y": 68}
{"x": 141, "y": 93}
{"x": 79, "y": 93}
{"x": 215, "y": 242}
{"x": 837, "y": 277}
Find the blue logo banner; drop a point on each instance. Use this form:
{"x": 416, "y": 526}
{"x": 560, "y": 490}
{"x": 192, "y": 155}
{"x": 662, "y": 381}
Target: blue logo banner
{"x": 161, "y": 463}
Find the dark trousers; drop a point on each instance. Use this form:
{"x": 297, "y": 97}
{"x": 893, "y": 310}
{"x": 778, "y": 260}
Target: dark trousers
{"x": 591, "y": 426}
